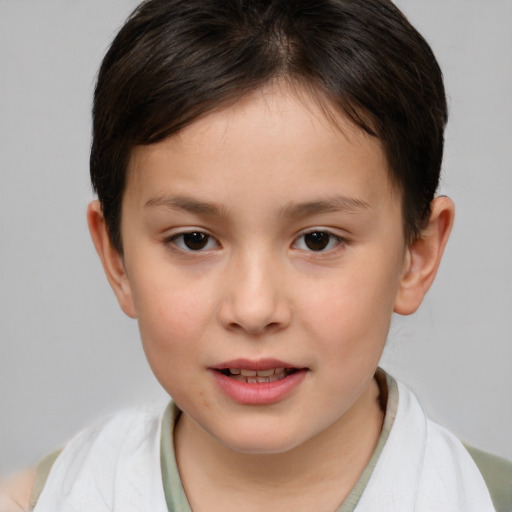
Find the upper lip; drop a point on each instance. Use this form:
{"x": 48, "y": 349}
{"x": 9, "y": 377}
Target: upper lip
{"x": 253, "y": 364}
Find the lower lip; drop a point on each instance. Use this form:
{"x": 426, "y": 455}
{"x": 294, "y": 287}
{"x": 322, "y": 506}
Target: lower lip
{"x": 263, "y": 393}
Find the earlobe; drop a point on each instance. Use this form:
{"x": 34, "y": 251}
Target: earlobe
{"x": 111, "y": 260}
{"x": 423, "y": 257}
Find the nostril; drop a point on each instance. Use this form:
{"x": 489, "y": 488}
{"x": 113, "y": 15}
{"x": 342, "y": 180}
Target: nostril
{"x": 254, "y": 315}
{"x": 255, "y": 329}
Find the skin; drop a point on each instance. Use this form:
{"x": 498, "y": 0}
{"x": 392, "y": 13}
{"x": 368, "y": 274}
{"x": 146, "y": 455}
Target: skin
{"x": 256, "y": 178}
{"x": 15, "y": 492}
{"x": 264, "y": 167}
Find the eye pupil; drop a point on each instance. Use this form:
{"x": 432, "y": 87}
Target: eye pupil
{"x": 195, "y": 240}
{"x": 317, "y": 240}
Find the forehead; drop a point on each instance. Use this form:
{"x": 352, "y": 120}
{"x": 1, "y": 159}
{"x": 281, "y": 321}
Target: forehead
{"x": 278, "y": 142}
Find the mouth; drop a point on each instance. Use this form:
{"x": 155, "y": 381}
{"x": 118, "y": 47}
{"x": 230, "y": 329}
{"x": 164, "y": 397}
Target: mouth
{"x": 258, "y": 382}
{"x": 262, "y": 382}
{"x": 257, "y": 376}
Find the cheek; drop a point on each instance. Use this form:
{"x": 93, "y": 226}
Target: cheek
{"x": 172, "y": 320}
{"x": 171, "y": 327}
{"x": 352, "y": 312}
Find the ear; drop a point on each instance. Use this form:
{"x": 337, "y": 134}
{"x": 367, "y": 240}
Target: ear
{"x": 112, "y": 261}
{"x": 423, "y": 257}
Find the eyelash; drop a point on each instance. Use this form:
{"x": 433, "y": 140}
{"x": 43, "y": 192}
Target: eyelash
{"x": 172, "y": 241}
{"x": 338, "y": 240}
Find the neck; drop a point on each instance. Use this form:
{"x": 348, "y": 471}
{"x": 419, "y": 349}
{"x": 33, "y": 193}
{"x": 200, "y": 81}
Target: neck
{"x": 324, "y": 475}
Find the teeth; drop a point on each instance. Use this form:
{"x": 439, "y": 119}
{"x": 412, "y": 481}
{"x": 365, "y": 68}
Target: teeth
{"x": 265, "y": 373}
{"x": 259, "y": 376}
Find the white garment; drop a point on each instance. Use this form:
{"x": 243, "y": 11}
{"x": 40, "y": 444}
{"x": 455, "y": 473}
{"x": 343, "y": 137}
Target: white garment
{"x": 115, "y": 467}
{"x": 423, "y": 468}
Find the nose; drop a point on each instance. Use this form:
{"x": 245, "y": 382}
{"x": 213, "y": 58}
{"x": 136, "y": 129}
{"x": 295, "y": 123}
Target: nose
{"x": 254, "y": 299}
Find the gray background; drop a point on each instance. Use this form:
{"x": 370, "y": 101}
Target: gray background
{"x": 68, "y": 355}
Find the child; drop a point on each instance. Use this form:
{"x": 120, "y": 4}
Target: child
{"x": 266, "y": 174}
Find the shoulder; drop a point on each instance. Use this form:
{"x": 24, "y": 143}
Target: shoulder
{"x": 110, "y": 437}
{"x": 497, "y": 473}
{"x": 95, "y": 457}
{"x": 16, "y": 492}
{"x": 448, "y": 462}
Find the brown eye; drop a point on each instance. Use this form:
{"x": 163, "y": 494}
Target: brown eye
{"x": 195, "y": 241}
{"x": 317, "y": 240}
{"x": 192, "y": 241}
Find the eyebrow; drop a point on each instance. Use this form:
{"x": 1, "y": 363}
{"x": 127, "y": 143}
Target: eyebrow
{"x": 188, "y": 204}
{"x": 293, "y": 209}
{"x": 330, "y": 204}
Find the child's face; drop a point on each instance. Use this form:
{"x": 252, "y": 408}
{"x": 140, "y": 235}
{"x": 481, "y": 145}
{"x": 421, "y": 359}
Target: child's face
{"x": 263, "y": 237}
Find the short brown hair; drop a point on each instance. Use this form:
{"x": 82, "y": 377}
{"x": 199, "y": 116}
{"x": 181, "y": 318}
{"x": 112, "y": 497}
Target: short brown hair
{"x": 176, "y": 60}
